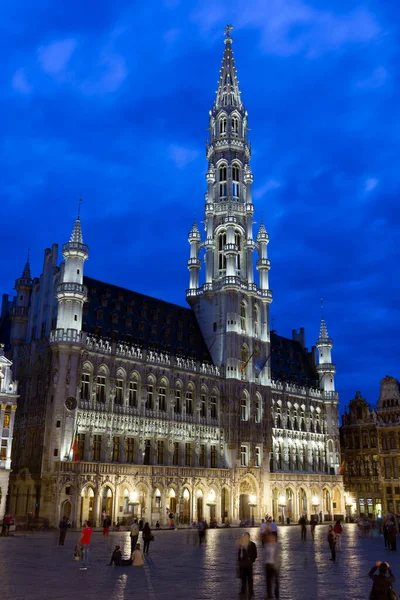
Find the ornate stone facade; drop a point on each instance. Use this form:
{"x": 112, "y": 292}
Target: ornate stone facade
{"x": 134, "y": 405}
{"x": 8, "y": 405}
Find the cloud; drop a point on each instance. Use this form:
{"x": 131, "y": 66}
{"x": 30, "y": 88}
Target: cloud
{"x": 55, "y": 57}
{"x": 370, "y": 184}
{"x": 20, "y": 82}
{"x": 113, "y": 73}
{"x": 181, "y": 155}
{"x": 376, "y": 79}
{"x": 290, "y": 27}
{"x": 261, "y": 190}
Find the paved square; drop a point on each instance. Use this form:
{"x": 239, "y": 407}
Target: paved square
{"x": 33, "y": 566}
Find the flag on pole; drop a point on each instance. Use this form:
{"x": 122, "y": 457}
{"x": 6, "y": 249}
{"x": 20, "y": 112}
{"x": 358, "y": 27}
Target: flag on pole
{"x": 74, "y": 450}
{"x": 243, "y": 367}
{"x": 341, "y": 468}
{"x": 260, "y": 364}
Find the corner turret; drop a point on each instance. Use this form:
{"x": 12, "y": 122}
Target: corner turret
{"x": 20, "y": 310}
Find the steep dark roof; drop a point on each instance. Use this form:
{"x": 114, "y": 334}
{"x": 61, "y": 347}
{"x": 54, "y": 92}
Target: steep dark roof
{"x": 121, "y": 314}
{"x": 291, "y": 362}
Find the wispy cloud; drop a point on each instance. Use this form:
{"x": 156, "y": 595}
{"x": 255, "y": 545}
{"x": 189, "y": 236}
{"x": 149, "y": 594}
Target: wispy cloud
{"x": 54, "y": 57}
{"x": 261, "y": 190}
{"x": 181, "y": 155}
{"x": 370, "y": 184}
{"x": 20, "y": 82}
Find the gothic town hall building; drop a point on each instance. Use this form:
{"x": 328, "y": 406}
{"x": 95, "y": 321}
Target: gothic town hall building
{"x": 133, "y": 405}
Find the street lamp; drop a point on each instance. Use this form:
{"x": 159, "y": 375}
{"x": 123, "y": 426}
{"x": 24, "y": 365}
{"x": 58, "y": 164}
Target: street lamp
{"x": 211, "y": 503}
{"x": 252, "y": 504}
{"x": 282, "y": 504}
{"x": 134, "y": 500}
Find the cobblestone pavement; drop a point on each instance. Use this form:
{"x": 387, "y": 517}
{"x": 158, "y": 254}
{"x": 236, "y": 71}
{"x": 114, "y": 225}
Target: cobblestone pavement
{"x": 33, "y": 566}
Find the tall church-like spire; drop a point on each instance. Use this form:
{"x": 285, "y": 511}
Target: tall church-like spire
{"x": 228, "y": 93}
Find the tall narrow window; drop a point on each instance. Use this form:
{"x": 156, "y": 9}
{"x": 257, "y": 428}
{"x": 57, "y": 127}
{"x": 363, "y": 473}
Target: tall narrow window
{"x": 222, "y": 126}
{"x": 257, "y": 416}
{"x": 115, "y": 450}
{"x": 150, "y": 395}
{"x": 203, "y": 405}
{"x": 101, "y": 389}
{"x": 243, "y": 316}
{"x": 223, "y": 181}
{"x": 243, "y": 456}
{"x": 96, "y": 448}
{"x": 130, "y": 450}
{"x": 133, "y": 393}
{"x": 160, "y": 452}
{"x": 213, "y": 407}
{"x": 178, "y": 401}
{"x": 256, "y": 327}
{"x": 221, "y": 253}
{"x": 244, "y": 413}
{"x": 85, "y": 386}
{"x": 175, "y": 457}
{"x": 202, "y": 457}
{"x": 162, "y": 395}
{"x": 147, "y": 451}
{"x": 235, "y": 125}
{"x": 7, "y": 418}
{"x": 188, "y": 454}
{"x": 235, "y": 182}
{"x": 213, "y": 457}
{"x": 189, "y": 402}
{"x": 3, "y": 450}
{"x": 119, "y": 391}
{"x": 257, "y": 456}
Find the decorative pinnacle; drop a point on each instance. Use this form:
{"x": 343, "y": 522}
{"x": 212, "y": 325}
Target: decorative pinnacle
{"x": 76, "y": 235}
{"x": 26, "y": 274}
{"x": 228, "y": 93}
{"x": 228, "y": 30}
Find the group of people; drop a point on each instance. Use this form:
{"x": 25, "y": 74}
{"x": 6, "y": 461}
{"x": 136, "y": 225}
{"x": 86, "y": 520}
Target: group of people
{"x": 247, "y": 555}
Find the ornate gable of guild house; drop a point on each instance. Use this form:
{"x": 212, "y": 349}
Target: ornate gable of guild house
{"x": 389, "y": 391}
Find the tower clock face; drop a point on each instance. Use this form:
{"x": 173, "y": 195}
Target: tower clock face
{"x": 71, "y": 403}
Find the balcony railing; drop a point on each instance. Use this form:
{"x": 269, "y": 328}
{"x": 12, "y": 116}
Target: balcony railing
{"x": 70, "y": 336}
{"x": 71, "y": 287}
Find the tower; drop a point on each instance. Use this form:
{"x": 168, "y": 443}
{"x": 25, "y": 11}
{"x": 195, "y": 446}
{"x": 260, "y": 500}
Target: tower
{"x": 71, "y": 294}
{"x": 325, "y": 368}
{"x": 19, "y": 312}
{"x": 231, "y": 308}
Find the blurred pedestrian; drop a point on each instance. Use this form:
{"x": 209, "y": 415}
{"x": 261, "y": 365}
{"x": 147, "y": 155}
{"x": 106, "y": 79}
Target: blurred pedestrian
{"x": 263, "y": 532}
{"x": 134, "y": 534}
{"x": 247, "y": 555}
{"x": 382, "y": 587}
{"x": 63, "y": 526}
{"x": 137, "y": 557}
{"x": 116, "y": 557}
{"x": 338, "y": 529}
{"x": 391, "y": 536}
{"x": 303, "y": 524}
{"x": 272, "y": 557}
{"x": 147, "y": 538}
{"x": 332, "y": 543}
{"x": 106, "y": 526}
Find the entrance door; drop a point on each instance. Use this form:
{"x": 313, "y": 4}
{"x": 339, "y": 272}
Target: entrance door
{"x": 244, "y": 508}
{"x": 66, "y": 509}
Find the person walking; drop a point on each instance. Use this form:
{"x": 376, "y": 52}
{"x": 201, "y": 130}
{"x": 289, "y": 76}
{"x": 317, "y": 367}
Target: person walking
{"x": 303, "y": 524}
{"x": 106, "y": 526}
{"x": 134, "y": 534}
{"x": 332, "y": 543}
{"x": 313, "y": 524}
{"x": 382, "y": 587}
{"x": 272, "y": 558}
{"x": 247, "y": 555}
{"x": 201, "y": 527}
{"x": 147, "y": 538}
{"x": 273, "y": 527}
{"x": 63, "y": 526}
{"x": 85, "y": 544}
{"x": 263, "y": 532}
{"x": 338, "y": 529}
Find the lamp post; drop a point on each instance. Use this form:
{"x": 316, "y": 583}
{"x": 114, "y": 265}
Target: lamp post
{"x": 252, "y": 504}
{"x": 133, "y": 500}
{"x": 282, "y": 504}
{"x": 211, "y": 503}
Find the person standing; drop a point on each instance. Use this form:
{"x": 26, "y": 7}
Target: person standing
{"x": 303, "y": 524}
{"x": 263, "y": 532}
{"x": 147, "y": 535}
{"x": 391, "y": 536}
{"x": 272, "y": 565}
{"x": 338, "y": 529}
{"x": 313, "y": 524}
{"x": 273, "y": 527}
{"x": 63, "y": 526}
{"x": 382, "y": 587}
{"x": 106, "y": 526}
{"x": 247, "y": 555}
{"x": 134, "y": 533}
{"x": 85, "y": 543}
{"x": 332, "y": 543}
{"x": 320, "y": 516}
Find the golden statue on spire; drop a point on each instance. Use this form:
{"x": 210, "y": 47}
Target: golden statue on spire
{"x": 228, "y": 30}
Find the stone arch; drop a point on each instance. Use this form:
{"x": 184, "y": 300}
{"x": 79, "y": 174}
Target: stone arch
{"x": 247, "y": 488}
{"x": 290, "y": 497}
{"x": 88, "y": 366}
{"x": 87, "y": 499}
{"x": 103, "y": 369}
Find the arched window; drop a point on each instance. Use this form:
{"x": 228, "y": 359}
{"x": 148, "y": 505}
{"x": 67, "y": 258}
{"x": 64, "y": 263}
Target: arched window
{"x": 222, "y": 126}
{"x": 221, "y": 254}
{"x": 235, "y": 125}
{"x": 238, "y": 243}
{"x": 223, "y": 178}
{"x": 213, "y": 407}
{"x": 150, "y": 393}
{"x": 244, "y": 408}
{"x": 189, "y": 400}
{"x": 257, "y": 416}
{"x": 256, "y": 327}
{"x": 162, "y": 395}
{"x": 243, "y": 316}
{"x": 235, "y": 182}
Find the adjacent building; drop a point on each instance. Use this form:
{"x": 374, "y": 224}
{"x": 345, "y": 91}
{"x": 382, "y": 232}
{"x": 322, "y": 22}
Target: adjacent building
{"x": 8, "y": 406}
{"x": 371, "y": 453}
{"x": 130, "y": 404}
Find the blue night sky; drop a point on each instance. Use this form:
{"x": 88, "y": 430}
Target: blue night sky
{"x": 110, "y": 100}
